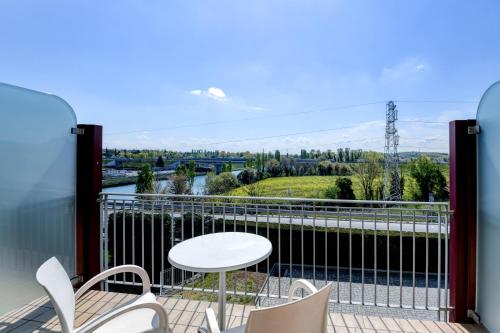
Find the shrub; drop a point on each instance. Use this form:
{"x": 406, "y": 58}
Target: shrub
{"x": 247, "y": 176}
{"x": 222, "y": 183}
{"x": 273, "y": 167}
{"x": 332, "y": 192}
{"x": 325, "y": 168}
{"x": 145, "y": 180}
{"x": 344, "y": 186}
{"x": 341, "y": 190}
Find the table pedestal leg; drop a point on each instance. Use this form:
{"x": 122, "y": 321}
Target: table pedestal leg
{"x": 222, "y": 301}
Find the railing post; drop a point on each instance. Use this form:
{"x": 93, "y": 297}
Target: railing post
{"x": 88, "y": 187}
{"x": 463, "y": 186}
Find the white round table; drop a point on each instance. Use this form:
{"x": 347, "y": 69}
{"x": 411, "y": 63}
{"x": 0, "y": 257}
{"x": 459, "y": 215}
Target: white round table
{"x": 220, "y": 253}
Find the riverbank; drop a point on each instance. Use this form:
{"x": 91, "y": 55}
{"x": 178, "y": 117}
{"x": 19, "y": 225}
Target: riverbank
{"x": 120, "y": 181}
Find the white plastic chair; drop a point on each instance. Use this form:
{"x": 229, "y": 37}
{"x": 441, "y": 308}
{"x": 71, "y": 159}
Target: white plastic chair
{"x": 309, "y": 314}
{"x": 143, "y": 314}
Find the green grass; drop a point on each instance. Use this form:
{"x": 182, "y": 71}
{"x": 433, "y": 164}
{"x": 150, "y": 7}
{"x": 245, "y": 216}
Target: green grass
{"x": 303, "y": 187}
{"x": 315, "y": 186}
{"x": 249, "y": 281}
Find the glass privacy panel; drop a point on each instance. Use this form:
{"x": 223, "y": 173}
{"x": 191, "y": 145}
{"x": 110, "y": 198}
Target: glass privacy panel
{"x": 37, "y": 190}
{"x": 488, "y": 270}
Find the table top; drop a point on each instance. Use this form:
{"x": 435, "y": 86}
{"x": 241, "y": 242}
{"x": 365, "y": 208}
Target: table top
{"x": 220, "y": 252}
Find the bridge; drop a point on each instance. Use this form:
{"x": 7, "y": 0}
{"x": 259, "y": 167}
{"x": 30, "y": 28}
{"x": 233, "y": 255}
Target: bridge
{"x": 214, "y": 164}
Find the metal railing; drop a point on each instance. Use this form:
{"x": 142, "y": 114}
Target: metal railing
{"x": 384, "y": 254}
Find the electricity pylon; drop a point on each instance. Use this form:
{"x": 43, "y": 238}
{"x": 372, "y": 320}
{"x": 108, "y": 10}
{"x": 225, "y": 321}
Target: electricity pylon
{"x": 392, "y": 181}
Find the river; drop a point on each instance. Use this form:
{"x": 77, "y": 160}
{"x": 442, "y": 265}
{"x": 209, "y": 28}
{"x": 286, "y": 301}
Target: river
{"x": 198, "y": 186}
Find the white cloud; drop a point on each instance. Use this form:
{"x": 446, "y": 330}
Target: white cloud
{"x": 214, "y": 93}
{"x": 419, "y": 67}
{"x": 406, "y": 69}
{"x": 235, "y": 102}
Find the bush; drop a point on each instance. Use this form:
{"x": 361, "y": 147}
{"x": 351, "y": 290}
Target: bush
{"x": 247, "y": 176}
{"x": 145, "y": 180}
{"x": 325, "y": 168}
{"x": 254, "y": 190}
{"x": 341, "y": 190}
{"x": 344, "y": 186}
{"x": 273, "y": 167}
{"x": 222, "y": 183}
{"x": 429, "y": 178}
{"x": 179, "y": 184}
{"x": 332, "y": 192}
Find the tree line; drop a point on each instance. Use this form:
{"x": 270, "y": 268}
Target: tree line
{"x": 423, "y": 181}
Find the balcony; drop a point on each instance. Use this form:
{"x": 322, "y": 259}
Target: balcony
{"x": 363, "y": 247}
{"x": 395, "y": 266}
{"x": 385, "y": 258}
{"x": 187, "y": 315}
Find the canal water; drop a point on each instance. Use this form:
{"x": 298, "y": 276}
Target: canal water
{"x": 198, "y": 186}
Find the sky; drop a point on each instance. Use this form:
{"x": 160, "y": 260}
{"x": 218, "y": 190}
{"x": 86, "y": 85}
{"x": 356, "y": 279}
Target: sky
{"x": 253, "y": 75}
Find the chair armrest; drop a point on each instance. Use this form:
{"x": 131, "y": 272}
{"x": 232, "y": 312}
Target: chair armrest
{"x": 146, "y": 284}
{"x": 212, "y": 325}
{"x": 301, "y": 284}
{"x": 155, "y": 306}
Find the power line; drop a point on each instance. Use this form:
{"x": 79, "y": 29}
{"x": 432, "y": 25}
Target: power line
{"x": 434, "y": 101}
{"x": 268, "y": 137}
{"x": 424, "y": 122}
{"x": 345, "y": 107}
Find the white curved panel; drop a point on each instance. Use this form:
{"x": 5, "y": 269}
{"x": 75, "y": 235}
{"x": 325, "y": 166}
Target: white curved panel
{"x": 488, "y": 265}
{"x": 37, "y": 190}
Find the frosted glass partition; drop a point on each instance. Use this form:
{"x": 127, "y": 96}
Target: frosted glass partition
{"x": 488, "y": 274}
{"x": 37, "y": 190}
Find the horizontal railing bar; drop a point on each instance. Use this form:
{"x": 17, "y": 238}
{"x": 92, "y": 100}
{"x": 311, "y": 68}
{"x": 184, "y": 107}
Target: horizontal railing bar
{"x": 188, "y": 196}
{"x": 284, "y": 297}
{"x": 324, "y": 216}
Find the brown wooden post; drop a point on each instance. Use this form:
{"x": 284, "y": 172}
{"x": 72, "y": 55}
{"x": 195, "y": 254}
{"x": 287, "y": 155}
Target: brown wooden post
{"x": 88, "y": 187}
{"x": 463, "y": 187}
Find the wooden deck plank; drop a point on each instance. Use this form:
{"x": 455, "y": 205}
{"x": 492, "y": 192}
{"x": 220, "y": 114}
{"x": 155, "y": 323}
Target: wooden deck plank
{"x": 187, "y": 315}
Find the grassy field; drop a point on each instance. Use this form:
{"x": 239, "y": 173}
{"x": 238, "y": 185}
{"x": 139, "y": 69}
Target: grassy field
{"x": 315, "y": 186}
{"x": 304, "y": 187}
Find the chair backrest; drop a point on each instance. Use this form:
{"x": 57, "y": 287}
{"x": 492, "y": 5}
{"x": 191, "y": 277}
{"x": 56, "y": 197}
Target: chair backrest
{"x": 53, "y": 278}
{"x": 308, "y": 314}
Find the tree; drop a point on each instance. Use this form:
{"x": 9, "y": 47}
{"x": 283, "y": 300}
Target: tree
{"x": 145, "y": 180}
{"x": 429, "y": 179}
{"x": 287, "y": 165}
{"x": 332, "y": 192}
{"x": 247, "y": 176}
{"x": 191, "y": 173}
{"x": 344, "y": 186}
{"x": 273, "y": 167}
{"x": 366, "y": 172}
{"x": 179, "y": 184}
{"x": 325, "y": 168}
{"x": 341, "y": 190}
{"x": 340, "y": 154}
{"x": 254, "y": 190}
{"x": 347, "y": 154}
{"x": 277, "y": 155}
{"x": 222, "y": 183}
{"x": 159, "y": 162}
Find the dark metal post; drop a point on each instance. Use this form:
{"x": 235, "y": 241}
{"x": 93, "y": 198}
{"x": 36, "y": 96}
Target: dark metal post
{"x": 463, "y": 187}
{"x": 88, "y": 187}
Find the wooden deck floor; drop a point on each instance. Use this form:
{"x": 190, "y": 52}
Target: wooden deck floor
{"x": 187, "y": 315}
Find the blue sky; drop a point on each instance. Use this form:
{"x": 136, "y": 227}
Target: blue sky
{"x": 253, "y": 75}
